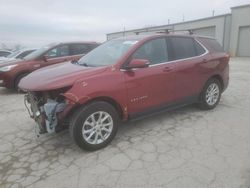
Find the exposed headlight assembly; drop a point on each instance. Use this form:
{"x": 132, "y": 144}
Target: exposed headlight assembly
{"x": 7, "y": 68}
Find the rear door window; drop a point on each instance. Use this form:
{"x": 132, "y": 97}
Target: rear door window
{"x": 182, "y": 47}
{"x": 59, "y": 51}
{"x": 76, "y": 49}
{"x": 155, "y": 51}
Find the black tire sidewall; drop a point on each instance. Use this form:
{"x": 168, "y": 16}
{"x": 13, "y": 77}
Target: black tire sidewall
{"x": 203, "y": 102}
{"x": 82, "y": 114}
{"x": 17, "y": 80}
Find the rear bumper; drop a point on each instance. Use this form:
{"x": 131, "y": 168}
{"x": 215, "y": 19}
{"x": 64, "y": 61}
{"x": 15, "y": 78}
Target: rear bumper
{"x": 225, "y": 77}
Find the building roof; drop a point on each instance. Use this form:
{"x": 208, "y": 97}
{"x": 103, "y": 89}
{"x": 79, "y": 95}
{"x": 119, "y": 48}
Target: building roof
{"x": 169, "y": 25}
{"x": 241, "y": 6}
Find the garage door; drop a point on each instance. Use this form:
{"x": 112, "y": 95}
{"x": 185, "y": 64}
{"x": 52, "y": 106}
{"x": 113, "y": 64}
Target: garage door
{"x": 206, "y": 31}
{"x": 244, "y": 42}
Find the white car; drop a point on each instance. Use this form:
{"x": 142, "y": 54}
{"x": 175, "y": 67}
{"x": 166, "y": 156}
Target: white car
{"x": 4, "y": 53}
{"x": 19, "y": 54}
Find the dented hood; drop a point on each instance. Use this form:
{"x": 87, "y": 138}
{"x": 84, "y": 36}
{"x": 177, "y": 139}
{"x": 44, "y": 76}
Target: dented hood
{"x": 57, "y": 76}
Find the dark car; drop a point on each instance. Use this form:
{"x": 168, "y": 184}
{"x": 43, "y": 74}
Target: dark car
{"x": 11, "y": 72}
{"x": 124, "y": 79}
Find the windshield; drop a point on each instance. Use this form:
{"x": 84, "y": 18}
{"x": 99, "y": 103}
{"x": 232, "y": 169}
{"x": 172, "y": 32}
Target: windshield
{"x": 36, "y": 53}
{"x": 14, "y": 54}
{"x": 107, "y": 54}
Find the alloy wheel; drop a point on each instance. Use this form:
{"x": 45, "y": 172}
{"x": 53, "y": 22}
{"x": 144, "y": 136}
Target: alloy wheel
{"x": 97, "y": 127}
{"x": 212, "y": 94}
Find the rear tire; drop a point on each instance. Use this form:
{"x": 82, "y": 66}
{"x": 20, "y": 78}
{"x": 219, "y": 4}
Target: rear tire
{"x": 94, "y": 126}
{"x": 211, "y": 94}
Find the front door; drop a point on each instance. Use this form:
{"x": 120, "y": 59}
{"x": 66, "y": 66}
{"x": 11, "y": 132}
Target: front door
{"x": 147, "y": 87}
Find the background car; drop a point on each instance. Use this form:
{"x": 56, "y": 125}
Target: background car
{"x": 4, "y": 53}
{"x": 12, "y": 72}
{"x": 18, "y": 54}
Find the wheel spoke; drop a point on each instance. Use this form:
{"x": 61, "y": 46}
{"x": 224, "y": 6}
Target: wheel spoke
{"x": 102, "y": 137}
{"x": 91, "y": 134}
{"x": 96, "y": 138}
{"x": 88, "y": 131}
{"x": 89, "y": 123}
{"x": 107, "y": 124}
{"x": 93, "y": 118}
{"x": 106, "y": 130}
{"x": 104, "y": 118}
{"x": 100, "y": 117}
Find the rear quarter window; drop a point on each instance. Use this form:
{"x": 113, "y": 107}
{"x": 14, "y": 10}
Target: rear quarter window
{"x": 93, "y": 46}
{"x": 77, "y": 49}
{"x": 199, "y": 49}
{"x": 212, "y": 45}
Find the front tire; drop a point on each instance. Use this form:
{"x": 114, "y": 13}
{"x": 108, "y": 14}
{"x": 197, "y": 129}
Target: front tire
{"x": 94, "y": 126}
{"x": 211, "y": 94}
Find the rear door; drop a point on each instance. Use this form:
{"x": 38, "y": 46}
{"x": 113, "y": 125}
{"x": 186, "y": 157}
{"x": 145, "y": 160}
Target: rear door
{"x": 58, "y": 54}
{"x": 147, "y": 87}
{"x": 188, "y": 57}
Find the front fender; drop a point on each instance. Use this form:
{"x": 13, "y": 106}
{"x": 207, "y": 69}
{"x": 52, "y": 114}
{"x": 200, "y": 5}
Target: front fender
{"x": 110, "y": 85}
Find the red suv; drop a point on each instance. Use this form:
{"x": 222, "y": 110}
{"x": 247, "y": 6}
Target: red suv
{"x": 11, "y": 72}
{"x": 123, "y": 79}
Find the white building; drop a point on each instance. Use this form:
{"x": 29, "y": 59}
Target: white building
{"x": 231, "y": 30}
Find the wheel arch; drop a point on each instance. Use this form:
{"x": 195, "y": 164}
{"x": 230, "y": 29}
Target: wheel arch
{"x": 215, "y": 76}
{"x": 219, "y": 78}
{"x": 109, "y": 100}
{"x": 18, "y": 75}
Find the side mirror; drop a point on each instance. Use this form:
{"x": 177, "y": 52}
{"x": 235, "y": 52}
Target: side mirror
{"x": 138, "y": 63}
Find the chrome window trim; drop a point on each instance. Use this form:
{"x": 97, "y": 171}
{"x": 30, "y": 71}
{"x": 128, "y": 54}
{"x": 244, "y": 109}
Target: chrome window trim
{"x": 183, "y": 59}
{"x": 177, "y": 60}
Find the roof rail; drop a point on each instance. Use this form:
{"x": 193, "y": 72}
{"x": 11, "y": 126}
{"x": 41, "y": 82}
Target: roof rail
{"x": 166, "y": 31}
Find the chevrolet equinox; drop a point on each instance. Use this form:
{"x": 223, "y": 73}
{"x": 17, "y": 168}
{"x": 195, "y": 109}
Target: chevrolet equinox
{"x": 124, "y": 79}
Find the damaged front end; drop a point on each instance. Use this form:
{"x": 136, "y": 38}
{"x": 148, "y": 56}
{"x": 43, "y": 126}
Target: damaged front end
{"x": 48, "y": 109}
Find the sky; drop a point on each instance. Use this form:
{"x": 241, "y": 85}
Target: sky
{"x": 33, "y": 23}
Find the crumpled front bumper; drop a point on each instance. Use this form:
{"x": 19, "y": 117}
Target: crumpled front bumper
{"x": 48, "y": 115}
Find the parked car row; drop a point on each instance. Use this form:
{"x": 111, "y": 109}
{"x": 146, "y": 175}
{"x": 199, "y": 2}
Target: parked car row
{"x": 120, "y": 80}
{"x": 18, "y": 54}
{"x": 4, "y": 53}
{"x": 13, "y": 70}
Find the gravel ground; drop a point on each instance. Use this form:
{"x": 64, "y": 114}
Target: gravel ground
{"x": 183, "y": 148}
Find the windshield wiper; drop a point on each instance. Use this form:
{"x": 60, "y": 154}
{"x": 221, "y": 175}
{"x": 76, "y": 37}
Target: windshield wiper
{"x": 84, "y": 64}
{"x": 74, "y": 62}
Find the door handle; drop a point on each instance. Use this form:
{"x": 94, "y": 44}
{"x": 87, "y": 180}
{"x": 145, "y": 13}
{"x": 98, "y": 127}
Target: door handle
{"x": 167, "y": 69}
